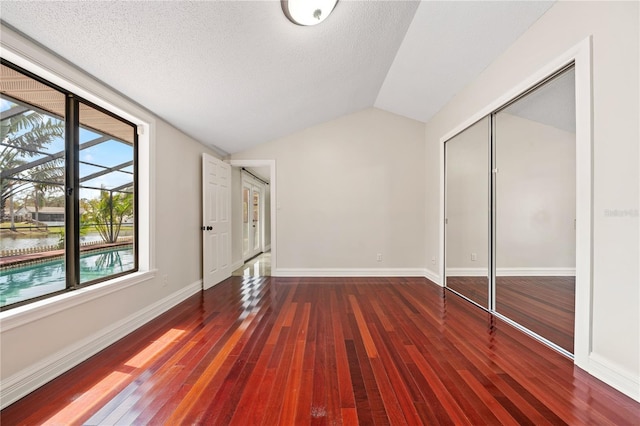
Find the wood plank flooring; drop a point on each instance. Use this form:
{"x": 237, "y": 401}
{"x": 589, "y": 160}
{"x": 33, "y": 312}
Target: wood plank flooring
{"x": 325, "y": 351}
{"x": 544, "y": 305}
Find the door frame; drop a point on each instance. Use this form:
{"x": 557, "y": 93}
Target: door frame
{"x": 273, "y": 204}
{"x": 580, "y": 55}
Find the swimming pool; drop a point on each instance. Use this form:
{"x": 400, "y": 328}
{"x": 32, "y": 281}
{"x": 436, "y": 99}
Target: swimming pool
{"x": 27, "y": 282}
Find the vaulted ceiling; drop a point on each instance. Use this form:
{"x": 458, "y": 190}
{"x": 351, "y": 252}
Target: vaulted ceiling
{"x": 234, "y": 74}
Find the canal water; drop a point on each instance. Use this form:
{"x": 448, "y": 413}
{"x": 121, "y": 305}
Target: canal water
{"x": 14, "y": 243}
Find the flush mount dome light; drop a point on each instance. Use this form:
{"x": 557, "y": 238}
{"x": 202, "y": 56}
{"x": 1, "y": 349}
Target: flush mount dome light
{"x": 308, "y": 12}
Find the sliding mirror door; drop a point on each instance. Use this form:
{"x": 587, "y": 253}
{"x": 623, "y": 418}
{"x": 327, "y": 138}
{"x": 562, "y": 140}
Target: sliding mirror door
{"x": 510, "y": 211}
{"x": 535, "y": 210}
{"x": 467, "y": 213}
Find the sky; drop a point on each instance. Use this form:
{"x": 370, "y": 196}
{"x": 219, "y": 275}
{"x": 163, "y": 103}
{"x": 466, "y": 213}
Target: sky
{"x": 108, "y": 154}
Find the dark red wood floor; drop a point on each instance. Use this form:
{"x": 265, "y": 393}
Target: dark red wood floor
{"x": 544, "y": 305}
{"x": 296, "y": 351}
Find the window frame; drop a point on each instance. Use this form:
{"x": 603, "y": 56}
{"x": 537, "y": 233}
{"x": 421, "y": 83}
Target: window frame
{"x": 72, "y": 186}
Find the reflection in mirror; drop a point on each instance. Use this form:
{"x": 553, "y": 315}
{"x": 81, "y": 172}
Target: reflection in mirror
{"x": 535, "y": 210}
{"x": 467, "y": 212}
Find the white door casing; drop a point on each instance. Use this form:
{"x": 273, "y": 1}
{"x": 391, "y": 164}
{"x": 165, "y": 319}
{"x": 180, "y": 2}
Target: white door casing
{"x": 216, "y": 215}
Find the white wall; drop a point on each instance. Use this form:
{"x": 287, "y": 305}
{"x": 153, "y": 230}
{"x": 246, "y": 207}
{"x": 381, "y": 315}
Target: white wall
{"x": 178, "y": 206}
{"x": 615, "y": 354}
{"x": 349, "y": 189}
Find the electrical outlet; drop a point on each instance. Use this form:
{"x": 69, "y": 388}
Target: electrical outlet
{"x": 379, "y": 257}
{"x": 165, "y": 280}
{"x": 474, "y": 257}
{"x": 433, "y": 260}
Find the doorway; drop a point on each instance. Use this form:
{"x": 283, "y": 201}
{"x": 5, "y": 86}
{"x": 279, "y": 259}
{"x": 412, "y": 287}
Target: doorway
{"x": 252, "y": 218}
{"x": 265, "y": 170}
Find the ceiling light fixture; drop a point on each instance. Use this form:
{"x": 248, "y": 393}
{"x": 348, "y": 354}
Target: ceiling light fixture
{"x": 307, "y": 12}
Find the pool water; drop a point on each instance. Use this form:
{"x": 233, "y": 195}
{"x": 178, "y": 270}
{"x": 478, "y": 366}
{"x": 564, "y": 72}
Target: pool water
{"x": 27, "y": 282}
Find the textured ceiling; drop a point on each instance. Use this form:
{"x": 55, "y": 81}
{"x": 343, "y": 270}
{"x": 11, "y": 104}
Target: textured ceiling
{"x": 234, "y": 74}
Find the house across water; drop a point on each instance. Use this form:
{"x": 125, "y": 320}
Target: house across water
{"x": 51, "y": 216}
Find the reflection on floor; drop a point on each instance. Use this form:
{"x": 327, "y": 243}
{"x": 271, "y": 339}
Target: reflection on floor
{"x": 544, "y": 305}
{"x": 259, "y": 266}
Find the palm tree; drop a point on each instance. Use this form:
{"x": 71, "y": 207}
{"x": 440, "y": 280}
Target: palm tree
{"x": 107, "y": 213}
{"x": 25, "y": 136}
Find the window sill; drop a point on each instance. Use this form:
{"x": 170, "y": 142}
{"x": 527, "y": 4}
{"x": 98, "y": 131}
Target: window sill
{"x": 34, "y": 311}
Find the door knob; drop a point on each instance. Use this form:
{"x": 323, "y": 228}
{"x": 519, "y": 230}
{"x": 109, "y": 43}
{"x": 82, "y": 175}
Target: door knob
{"x": 209, "y": 228}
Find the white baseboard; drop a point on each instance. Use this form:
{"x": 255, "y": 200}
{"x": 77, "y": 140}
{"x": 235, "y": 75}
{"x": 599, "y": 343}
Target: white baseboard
{"x": 614, "y": 376}
{"x": 467, "y": 272}
{"x": 513, "y": 272}
{"x": 536, "y": 272}
{"x": 432, "y": 276}
{"x": 348, "y": 272}
{"x": 31, "y": 378}
{"x": 235, "y": 266}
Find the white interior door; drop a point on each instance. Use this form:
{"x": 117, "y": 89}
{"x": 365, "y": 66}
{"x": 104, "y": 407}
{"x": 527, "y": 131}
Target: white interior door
{"x": 216, "y": 214}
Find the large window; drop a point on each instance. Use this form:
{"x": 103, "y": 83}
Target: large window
{"x": 69, "y": 199}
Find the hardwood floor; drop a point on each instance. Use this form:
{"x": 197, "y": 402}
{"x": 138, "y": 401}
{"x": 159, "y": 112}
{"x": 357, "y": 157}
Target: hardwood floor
{"x": 297, "y": 351}
{"x": 544, "y": 305}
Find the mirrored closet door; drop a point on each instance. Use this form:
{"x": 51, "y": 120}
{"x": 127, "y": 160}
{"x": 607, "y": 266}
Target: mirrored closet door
{"x": 467, "y": 212}
{"x": 535, "y": 210}
{"x": 510, "y": 209}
